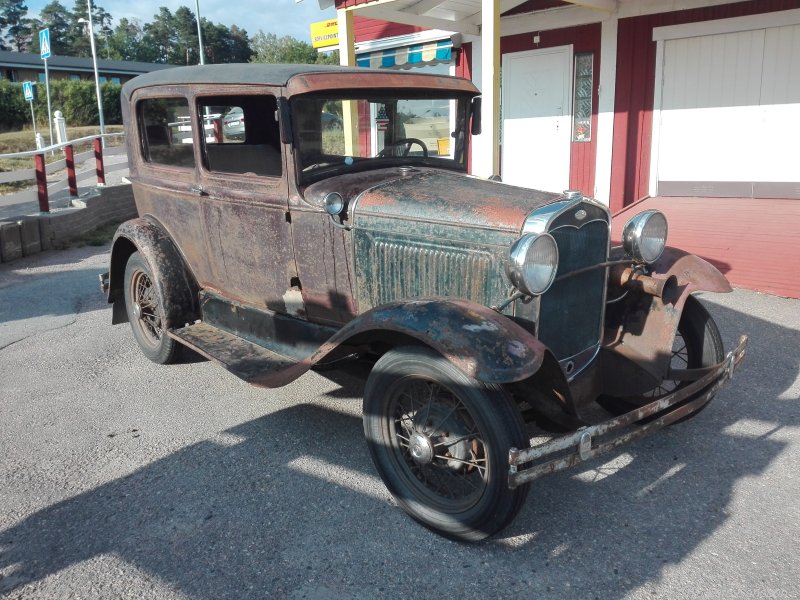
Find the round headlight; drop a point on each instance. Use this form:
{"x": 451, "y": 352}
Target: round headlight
{"x": 645, "y": 236}
{"x": 533, "y": 264}
{"x": 334, "y": 203}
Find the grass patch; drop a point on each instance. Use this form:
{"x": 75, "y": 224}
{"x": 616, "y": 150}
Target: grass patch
{"x": 97, "y": 237}
{"x": 24, "y": 141}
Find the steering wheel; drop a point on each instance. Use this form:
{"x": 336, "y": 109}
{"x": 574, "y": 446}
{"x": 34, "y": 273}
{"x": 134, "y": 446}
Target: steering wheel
{"x": 407, "y": 142}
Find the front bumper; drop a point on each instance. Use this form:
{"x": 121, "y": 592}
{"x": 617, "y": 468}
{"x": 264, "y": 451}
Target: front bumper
{"x": 591, "y": 441}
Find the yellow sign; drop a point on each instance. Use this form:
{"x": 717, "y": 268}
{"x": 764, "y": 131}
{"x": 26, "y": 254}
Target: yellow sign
{"x": 325, "y": 33}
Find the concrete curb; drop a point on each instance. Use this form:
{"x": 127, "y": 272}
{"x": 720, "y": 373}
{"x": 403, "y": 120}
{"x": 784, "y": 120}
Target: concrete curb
{"x": 24, "y": 236}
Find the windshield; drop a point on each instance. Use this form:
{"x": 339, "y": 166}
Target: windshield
{"x": 337, "y": 134}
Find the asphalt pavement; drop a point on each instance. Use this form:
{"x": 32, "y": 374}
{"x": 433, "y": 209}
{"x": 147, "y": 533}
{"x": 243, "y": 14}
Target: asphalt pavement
{"x": 120, "y": 478}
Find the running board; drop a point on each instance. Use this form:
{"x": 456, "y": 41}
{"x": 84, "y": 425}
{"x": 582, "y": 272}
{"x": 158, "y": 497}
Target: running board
{"x": 251, "y": 362}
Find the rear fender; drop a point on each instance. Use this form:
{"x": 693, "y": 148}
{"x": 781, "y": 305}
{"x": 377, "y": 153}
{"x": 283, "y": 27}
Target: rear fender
{"x": 638, "y": 345}
{"x": 480, "y": 342}
{"x": 179, "y": 289}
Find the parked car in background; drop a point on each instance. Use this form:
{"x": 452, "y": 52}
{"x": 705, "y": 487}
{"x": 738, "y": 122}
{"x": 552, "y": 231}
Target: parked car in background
{"x": 487, "y": 313}
{"x": 233, "y": 124}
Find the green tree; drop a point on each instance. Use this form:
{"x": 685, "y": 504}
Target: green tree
{"x": 13, "y": 17}
{"x": 223, "y": 45}
{"x": 127, "y": 42}
{"x": 269, "y": 48}
{"x": 187, "y": 48}
{"x": 57, "y": 18}
{"x": 78, "y": 36}
{"x": 160, "y": 35}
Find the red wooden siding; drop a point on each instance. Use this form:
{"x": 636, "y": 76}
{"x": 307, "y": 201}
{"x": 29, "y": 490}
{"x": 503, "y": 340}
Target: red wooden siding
{"x": 583, "y": 39}
{"x": 365, "y": 29}
{"x": 754, "y": 242}
{"x": 349, "y": 3}
{"x": 636, "y": 66}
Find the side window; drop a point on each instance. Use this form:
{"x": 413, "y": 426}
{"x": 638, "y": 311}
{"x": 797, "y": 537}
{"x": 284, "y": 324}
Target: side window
{"x": 166, "y": 127}
{"x": 241, "y": 134}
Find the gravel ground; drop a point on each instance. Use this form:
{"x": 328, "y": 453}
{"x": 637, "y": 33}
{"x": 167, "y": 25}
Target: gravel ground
{"x": 124, "y": 479}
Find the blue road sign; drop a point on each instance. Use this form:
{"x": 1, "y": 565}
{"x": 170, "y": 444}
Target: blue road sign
{"x": 27, "y": 89}
{"x": 44, "y": 43}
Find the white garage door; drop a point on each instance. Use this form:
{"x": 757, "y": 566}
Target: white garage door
{"x": 730, "y": 114}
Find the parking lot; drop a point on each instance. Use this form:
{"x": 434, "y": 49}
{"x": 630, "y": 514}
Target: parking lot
{"x": 120, "y": 478}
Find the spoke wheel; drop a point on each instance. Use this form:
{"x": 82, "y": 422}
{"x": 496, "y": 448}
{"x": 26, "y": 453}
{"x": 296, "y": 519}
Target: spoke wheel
{"x": 145, "y": 311}
{"x": 697, "y": 344}
{"x": 440, "y": 441}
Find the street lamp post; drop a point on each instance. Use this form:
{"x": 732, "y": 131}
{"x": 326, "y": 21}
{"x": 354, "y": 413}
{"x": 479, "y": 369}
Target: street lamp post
{"x": 200, "y": 33}
{"x": 96, "y": 75}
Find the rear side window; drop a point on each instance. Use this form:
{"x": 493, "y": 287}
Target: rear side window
{"x": 166, "y": 126}
{"x": 241, "y": 134}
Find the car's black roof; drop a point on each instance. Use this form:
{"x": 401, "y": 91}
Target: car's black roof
{"x": 234, "y": 73}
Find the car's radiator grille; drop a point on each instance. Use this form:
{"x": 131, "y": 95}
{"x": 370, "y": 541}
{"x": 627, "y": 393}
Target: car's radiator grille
{"x": 570, "y": 312}
{"x": 412, "y": 270}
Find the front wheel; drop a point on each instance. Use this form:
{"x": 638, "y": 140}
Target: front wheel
{"x": 144, "y": 304}
{"x": 440, "y": 440}
{"x": 697, "y": 344}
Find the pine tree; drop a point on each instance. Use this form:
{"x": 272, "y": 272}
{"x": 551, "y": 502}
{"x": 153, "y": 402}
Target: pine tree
{"x": 16, "y": 24}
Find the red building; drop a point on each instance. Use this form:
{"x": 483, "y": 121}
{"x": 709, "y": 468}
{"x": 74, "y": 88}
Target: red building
{"x": 692, "y": 111}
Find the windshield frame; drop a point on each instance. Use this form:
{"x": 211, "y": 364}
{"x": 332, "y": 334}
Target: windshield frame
{"x": 460, "y": 137}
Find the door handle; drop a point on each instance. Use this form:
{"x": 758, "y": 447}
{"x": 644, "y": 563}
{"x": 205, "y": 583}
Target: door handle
{"x": 198, "y": 189}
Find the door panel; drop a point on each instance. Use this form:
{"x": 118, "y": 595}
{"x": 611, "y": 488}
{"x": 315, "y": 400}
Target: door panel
{"x": 245, "y": 201}
{"x": 536, "y": 118}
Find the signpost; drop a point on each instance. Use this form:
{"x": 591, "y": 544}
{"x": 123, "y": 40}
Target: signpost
{"x": 27, "y": 91}
{"x": 44, "y": 53}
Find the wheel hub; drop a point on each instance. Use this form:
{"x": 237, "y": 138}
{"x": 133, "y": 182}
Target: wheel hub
{"x": 421, "y": 448}
{"x": 137, "y": 310}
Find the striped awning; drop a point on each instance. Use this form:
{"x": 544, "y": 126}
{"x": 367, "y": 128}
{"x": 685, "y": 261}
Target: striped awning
{"x": 406, "y": 57}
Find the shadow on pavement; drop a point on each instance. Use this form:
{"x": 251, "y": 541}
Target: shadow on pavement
{"x": 233, "y": 516}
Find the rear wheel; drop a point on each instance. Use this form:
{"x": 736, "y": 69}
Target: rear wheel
{"x": 144, "y": 304}
{"x": 697, "y": 344}
{"x": 440, "y": 441}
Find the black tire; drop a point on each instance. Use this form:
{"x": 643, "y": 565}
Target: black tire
{"x": 416, "y": 401}
{"x": 697, "y": 344}
{"x": 144, "y": 304}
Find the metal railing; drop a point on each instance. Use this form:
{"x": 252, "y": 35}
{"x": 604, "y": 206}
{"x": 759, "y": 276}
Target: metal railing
{"x": 41, "y": 170}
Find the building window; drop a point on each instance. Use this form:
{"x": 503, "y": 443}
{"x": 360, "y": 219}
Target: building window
{"x": 582, "y": 113}
{"x": 75, "y": 77}
{"x": 41, "y": 78}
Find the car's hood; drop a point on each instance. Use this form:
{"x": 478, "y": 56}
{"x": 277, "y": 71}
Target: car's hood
{"x": 434, "y": 196}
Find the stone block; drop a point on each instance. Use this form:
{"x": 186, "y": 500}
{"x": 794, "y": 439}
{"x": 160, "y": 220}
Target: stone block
{"x": 45, "y": 232}
{"x": 10, "y": 242}
{"x": 29, "y": 236}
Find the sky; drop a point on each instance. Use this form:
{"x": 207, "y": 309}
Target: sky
{"x": 281, "y": 17}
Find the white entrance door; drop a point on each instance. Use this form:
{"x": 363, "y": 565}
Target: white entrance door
{"x": 536, "y": 118}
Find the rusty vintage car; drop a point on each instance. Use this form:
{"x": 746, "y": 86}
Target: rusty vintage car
{"x": 483, "y": 309}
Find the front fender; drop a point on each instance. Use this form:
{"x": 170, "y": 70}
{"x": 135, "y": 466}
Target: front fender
{"x": 693, "y": 273}
{"x": 641, "y": 329}
{"x": 484, "y": 344}
{"x": 178, "y": 288}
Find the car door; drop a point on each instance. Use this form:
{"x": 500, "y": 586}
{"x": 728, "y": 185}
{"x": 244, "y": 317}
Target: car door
{"x": 245, "y": 198}
{"x": 164, "y": 175}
